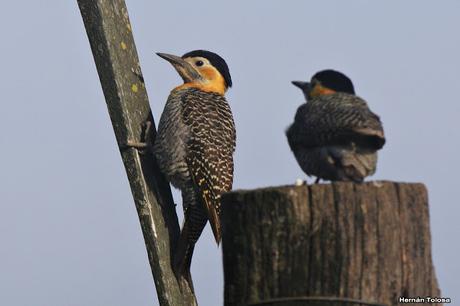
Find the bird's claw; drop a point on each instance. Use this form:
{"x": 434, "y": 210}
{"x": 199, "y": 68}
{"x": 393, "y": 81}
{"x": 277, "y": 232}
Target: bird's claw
{"x": 300, "y": 182}
{"x": 146, "y": 144}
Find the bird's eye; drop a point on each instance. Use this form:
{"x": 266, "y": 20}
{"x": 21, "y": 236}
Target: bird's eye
{"x": 199, "y": 63}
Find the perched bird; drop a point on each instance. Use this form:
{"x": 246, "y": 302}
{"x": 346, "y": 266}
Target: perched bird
{"x": 335, "y": 136}
{"x": 195, "y": 144}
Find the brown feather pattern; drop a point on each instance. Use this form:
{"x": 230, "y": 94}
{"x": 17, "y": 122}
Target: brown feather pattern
{"x": 194, "y": 148}
{"x": 210, "y": 149}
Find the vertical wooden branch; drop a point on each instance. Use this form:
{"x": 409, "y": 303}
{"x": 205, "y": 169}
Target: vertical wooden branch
{"x": 328, "y": 244}
{"x": 109, "y": 32}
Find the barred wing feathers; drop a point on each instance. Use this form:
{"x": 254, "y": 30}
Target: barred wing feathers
{"x": 210, "y": 149}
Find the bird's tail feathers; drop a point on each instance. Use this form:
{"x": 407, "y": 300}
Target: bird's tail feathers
{"x": 194, "y": 223}
{"x": 355, "y": 164}
{"x": 183, "y": 258}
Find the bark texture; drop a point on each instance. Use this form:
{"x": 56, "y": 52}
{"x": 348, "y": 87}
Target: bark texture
{"x": 110, "y": 36}
{"x": 368, "y": 242}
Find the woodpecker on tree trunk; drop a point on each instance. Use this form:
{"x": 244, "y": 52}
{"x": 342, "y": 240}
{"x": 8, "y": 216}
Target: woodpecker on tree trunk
{"x": 194, "y": 146}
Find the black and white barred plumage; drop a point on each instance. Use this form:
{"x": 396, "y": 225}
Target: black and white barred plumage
{"x": 336, "y": 137}
{"x": 194, "y": 148}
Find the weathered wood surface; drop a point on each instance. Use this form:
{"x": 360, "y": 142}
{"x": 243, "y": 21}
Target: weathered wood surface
{"x": 109, "y": 32}
{"x": 367, "y": 241}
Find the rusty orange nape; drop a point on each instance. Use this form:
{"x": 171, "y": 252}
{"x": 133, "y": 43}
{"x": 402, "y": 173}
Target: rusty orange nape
{"x": 214, "y": 81}
{"x": 320, "y": 90}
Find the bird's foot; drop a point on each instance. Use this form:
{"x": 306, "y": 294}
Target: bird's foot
{"x": 300, "y": 182}
{"x": 317, "y": 180}
{"x": 377, "y": 184}
{"x": 144, "y": 145}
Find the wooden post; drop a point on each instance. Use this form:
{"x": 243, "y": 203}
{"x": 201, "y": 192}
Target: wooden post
{"x": 109, "y": 32}
{"x": 327, "y": 244}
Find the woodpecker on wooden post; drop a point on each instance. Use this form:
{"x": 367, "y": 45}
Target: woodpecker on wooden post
{"x": 335, "y": 136}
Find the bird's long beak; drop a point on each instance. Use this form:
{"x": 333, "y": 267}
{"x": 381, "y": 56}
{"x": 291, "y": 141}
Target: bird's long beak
{"x": 304, "y": 86}
{"x": 184, "y": 68}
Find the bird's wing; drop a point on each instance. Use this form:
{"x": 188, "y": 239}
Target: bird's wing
{"x": 338, "y": 119}
{"x": 210, "y": 150}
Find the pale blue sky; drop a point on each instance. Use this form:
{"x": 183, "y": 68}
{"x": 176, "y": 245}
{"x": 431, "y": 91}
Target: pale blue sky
{"x": 69, "y": 232}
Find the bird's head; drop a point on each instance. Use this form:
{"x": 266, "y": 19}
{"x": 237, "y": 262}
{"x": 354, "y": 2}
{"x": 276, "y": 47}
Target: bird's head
{"x": 201, "y": 69}
{"x": 326, "y": 82}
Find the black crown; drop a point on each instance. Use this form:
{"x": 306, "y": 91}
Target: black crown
{"x": 335, "y": 80}
{"x": 215, "y": 60}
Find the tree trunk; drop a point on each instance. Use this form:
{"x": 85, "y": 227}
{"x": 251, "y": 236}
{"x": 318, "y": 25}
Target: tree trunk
{"x": 328, "y": 244}
{"x": 112, "y": 43}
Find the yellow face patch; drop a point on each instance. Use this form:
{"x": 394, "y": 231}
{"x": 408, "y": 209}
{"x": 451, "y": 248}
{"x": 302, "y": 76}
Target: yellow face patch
{"x": 214, "y": 80}
{"x": 211, "y": 79}
{"x": 320, "y": 90}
